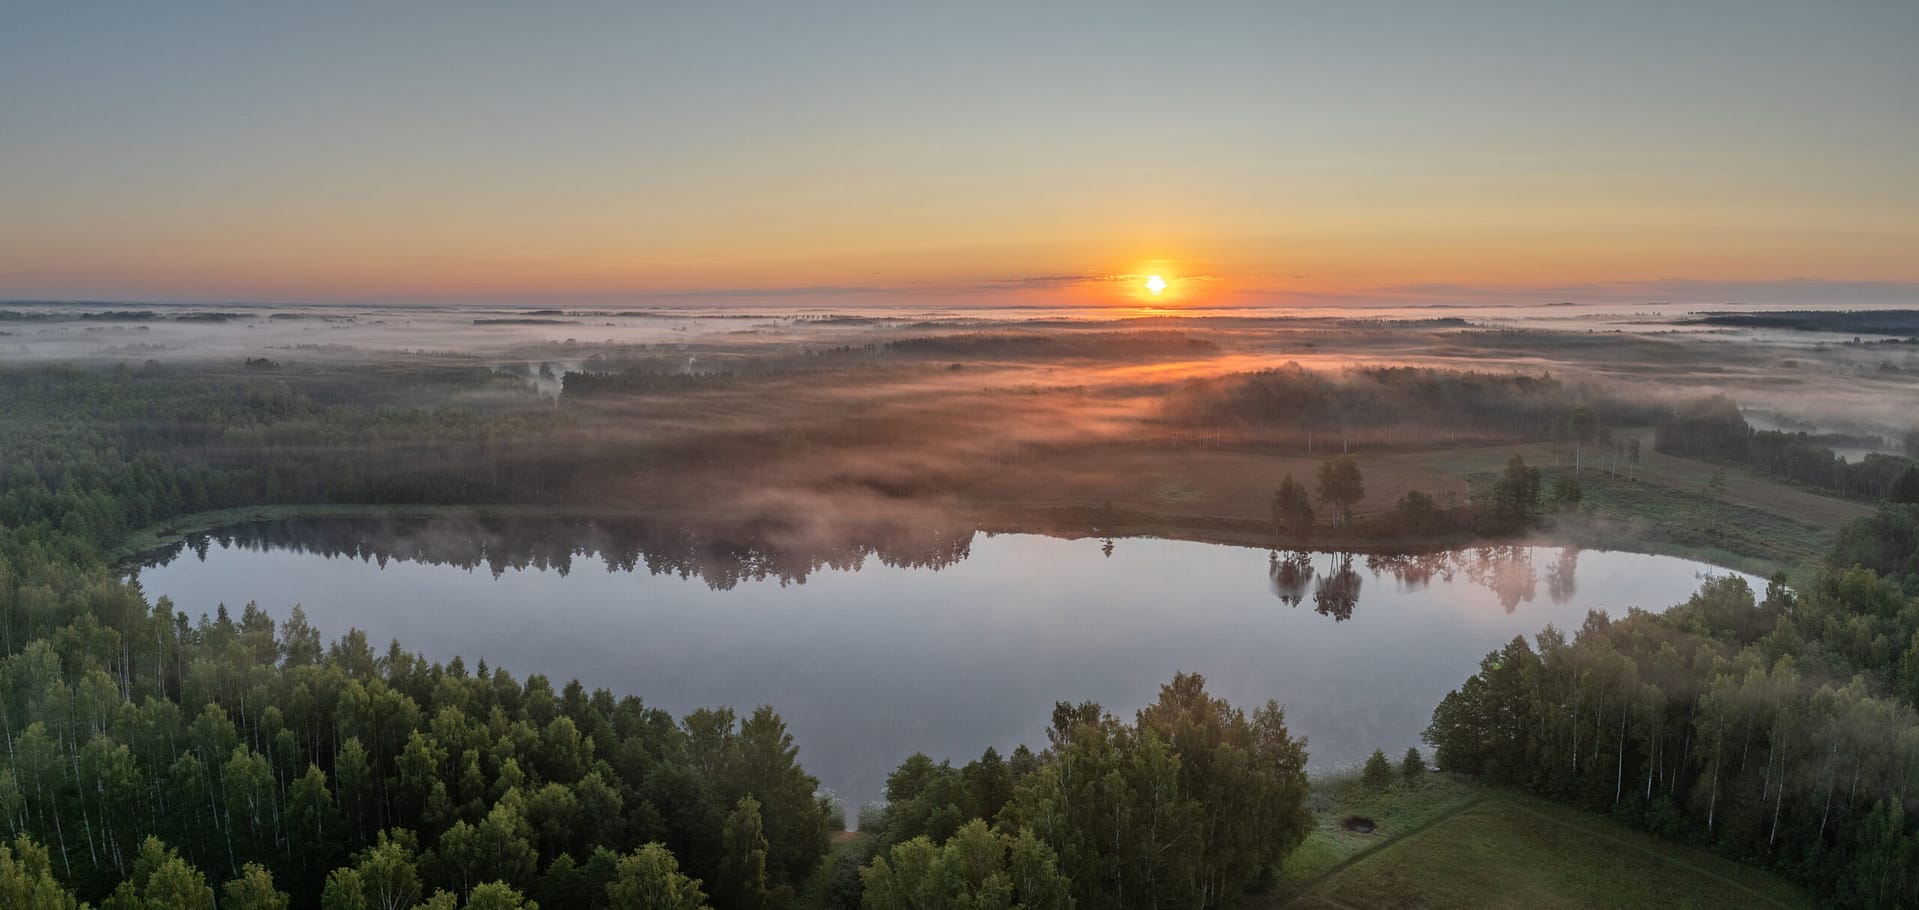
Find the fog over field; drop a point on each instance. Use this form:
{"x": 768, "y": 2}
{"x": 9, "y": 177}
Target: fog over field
{"x": 818, "y": 415}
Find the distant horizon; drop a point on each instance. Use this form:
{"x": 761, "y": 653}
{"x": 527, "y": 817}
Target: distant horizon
{"x": 1810, "y": 293}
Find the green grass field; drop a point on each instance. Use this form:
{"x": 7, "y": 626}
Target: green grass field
{"x": 1397, "y": 812}
{"x": 1450, "y": 844}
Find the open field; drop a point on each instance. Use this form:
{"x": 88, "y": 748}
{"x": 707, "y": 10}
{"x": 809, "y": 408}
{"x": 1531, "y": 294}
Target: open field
{"x": 1755, "y": 523}
{"x": 1618, "y": 514}
{"x": 1398, "y": 813}
{"x": 1688, "y": 475}
{"x": 1449, "y": 844}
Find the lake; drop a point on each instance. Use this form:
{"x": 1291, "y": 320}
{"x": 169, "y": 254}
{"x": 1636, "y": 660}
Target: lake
{"x": 939, "y": 640}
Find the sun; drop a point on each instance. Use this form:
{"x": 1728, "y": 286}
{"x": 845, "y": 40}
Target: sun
{"x": 1155, "y": 284}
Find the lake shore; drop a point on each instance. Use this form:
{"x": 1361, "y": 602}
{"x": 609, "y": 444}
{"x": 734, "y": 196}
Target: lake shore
{"x": 1586, "y": 532}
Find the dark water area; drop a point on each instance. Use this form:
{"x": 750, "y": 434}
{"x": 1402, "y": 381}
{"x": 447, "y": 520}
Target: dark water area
{"x": 876, "y": 645}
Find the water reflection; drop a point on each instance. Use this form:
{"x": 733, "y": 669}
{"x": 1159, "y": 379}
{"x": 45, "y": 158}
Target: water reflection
{"x": 882, "y": 639}
{"x": 1507, "y": 570}
{"x": 721, "y": 554}
{"x": 725, "y": 554}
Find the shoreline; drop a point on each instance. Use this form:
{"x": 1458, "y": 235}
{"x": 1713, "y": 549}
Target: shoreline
{"x": 1068, "y": 522}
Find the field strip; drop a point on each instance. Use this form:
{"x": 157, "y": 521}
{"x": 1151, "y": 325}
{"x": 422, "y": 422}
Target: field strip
{"x": 1683, "y": 864}
{"x": 1306, "y": 887}
{"x": 1335, "y": 903}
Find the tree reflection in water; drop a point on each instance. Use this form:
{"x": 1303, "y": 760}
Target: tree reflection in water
{"x": 722, "y": 554}
{"x": 1290, "y": 575}
{"x": 725, "y": 554}
{"x": 1506, "y": 570}
{"x": 1337, "y": 592}
{"x": 1559, "y": 576}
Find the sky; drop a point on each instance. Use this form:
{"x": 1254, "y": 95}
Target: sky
{"x": 1283, "y": 153}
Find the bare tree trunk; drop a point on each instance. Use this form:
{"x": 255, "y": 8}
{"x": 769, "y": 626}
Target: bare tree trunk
{"x": 1619, "y": 776}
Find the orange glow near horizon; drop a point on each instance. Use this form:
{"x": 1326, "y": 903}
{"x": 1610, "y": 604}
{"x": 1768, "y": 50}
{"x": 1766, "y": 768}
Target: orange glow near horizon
{"x": 310, "y": 154}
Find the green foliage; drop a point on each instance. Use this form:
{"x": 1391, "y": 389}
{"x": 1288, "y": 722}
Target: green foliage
{"x": 253, "y": 890}
{"x": 1377, "y": 773}
{"x": 650, "y": 879}
{"x": 1566, "y": 492}
{"x": 931, "y": 800}
{"x": 1416, "y": 513}
{"x": 1341, "y": 486}
{"x": 1716, "y": 484}
{"x": 496, "y": 896}
{"x": 1516, "y": 491}
{"x": 1293, "y": 509}
{"x": 1191, "y": 804}
{"x": 742, "y": 879}
{"x": 1887, "y": 542}
{"x": 161, "y": 880}
{"x": 1412, "y": 767}
{"x": 27, "y": 881}
{"x": 975, "y": 868}
{"x": 1905, "y": 490}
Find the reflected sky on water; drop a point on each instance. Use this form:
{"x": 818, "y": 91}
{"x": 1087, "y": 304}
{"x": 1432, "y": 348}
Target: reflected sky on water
{"x": 946, "y": 642}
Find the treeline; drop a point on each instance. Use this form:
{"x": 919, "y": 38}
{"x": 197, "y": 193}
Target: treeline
{"x": 1778, "y": 729}
{"x": 1392, "y": 406}
{"x": 1713, "y": 428}
{"x": 1871, "y": 322}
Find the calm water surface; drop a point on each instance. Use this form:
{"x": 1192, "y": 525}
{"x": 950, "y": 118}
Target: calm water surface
{"x": 946, "y": 643}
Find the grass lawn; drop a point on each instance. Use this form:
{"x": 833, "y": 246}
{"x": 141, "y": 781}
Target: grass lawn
{"x": 1397, "y": 812}
{"x": 1508, "y": 850}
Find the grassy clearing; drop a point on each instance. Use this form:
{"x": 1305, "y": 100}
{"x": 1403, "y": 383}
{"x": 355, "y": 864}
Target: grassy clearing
{"x": 1397, "y": 812}
{"x": 1622, "y": 514}
{"x": 1511, "y": 851}
{"x": 1743, "y": 487}
{"x": 1753, "y": 523}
